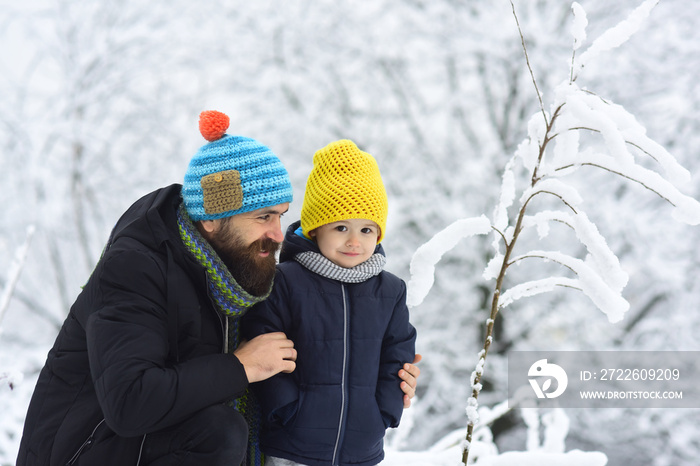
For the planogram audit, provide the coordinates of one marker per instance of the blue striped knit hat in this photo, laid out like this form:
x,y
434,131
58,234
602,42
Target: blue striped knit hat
x,y
231,174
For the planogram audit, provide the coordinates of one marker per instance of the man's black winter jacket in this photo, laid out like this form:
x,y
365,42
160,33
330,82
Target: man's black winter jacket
x,y
141,350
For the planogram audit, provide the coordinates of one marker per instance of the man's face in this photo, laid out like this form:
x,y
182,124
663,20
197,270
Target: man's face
x,y
247,244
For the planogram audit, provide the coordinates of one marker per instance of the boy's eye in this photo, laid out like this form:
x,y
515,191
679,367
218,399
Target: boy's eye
x,y
341,228
367,230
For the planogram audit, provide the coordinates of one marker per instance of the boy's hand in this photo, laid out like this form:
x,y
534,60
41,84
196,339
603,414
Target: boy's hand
x,y
409,374
266,355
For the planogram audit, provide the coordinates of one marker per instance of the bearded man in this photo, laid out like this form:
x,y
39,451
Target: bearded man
x,y
148,368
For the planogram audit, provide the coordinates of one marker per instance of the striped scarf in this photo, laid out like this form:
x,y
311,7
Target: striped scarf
x,y
233,302
321,265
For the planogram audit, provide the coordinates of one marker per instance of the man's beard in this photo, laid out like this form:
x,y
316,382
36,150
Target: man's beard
x,y
251,271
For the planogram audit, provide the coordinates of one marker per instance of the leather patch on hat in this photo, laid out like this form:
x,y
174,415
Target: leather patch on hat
x,y
222,191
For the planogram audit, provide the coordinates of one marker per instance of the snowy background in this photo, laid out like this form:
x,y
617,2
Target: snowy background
x,y
99,106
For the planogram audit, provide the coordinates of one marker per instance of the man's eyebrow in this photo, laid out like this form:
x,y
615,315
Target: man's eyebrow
x,y
272,211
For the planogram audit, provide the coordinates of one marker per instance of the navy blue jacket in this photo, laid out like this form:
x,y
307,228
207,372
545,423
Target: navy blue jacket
x,y
352,339
140,351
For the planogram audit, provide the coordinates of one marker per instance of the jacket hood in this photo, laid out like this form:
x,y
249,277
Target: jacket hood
x,y
152,219
295,242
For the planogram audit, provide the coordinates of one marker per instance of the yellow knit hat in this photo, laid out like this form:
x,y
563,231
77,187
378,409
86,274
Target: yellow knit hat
x,y
344,183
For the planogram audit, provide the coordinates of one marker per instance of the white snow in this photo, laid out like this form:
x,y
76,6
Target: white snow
x,y
500,221
10,378
551,451
578,25
493,267
472,411
528,150
14,272
556,187
618,35
589,281
605,262
556,425
571,458
535,287
425,258
686,208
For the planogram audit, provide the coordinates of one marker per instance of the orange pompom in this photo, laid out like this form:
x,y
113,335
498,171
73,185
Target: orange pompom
x,y
213,124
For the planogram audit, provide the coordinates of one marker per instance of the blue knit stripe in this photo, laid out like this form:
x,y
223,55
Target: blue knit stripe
x,y
264,179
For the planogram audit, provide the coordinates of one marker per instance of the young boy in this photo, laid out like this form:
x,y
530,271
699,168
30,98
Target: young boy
x,y
346,316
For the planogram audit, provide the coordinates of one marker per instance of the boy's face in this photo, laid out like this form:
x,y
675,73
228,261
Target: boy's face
x,y
347,243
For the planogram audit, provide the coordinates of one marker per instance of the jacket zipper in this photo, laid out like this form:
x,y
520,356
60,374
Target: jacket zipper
x,y
143,442
343,382
86,444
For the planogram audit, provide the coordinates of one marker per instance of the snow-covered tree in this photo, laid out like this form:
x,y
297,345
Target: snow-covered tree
x,y
586,131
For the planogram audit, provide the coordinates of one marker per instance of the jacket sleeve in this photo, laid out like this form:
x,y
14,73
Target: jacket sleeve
x,y
278,396
127,339
398,348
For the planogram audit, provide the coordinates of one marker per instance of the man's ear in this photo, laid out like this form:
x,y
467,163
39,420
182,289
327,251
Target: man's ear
x,y
210,226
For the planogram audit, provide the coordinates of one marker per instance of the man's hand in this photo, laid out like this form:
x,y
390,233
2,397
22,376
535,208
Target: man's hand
x,y
409,374
266,355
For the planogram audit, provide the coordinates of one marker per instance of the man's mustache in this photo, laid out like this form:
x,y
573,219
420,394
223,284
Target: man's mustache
x,y
265,244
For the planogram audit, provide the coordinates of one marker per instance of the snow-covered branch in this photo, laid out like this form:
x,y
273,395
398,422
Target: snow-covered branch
x,y
615,36
428,255
604,294
14,272
686,208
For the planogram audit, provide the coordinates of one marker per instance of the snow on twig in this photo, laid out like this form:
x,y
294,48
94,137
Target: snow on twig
x,y
593,285
603,259
578,25
535,287
426,256
617,35
14,272
12,378
567,194
686,208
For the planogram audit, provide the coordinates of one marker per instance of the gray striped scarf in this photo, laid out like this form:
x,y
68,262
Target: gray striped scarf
x,y
321,265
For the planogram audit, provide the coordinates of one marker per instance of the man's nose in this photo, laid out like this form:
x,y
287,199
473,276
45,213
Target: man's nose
x,y
275,232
